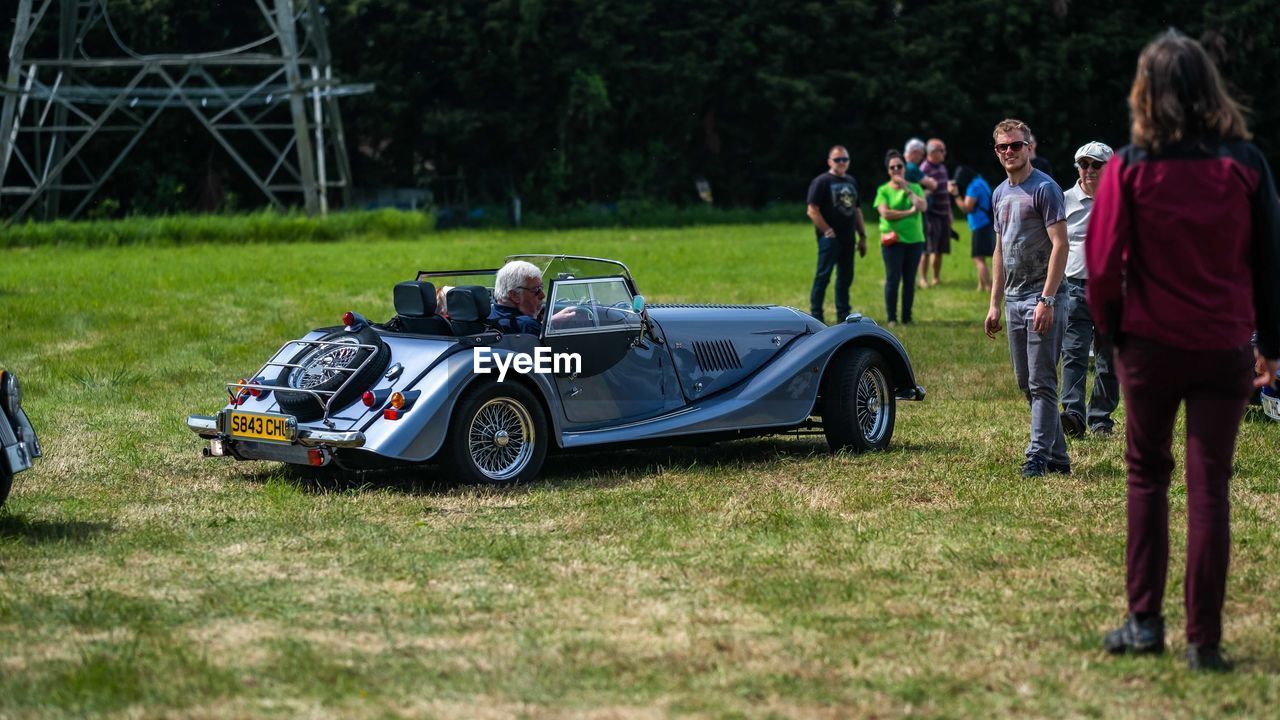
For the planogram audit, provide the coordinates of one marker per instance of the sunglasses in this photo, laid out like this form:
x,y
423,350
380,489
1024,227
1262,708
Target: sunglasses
x,y
897,167
840,160
1015,146
1086,164
535,290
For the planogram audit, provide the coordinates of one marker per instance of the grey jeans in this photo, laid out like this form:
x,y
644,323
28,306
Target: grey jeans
x,y
1035,366
1080,336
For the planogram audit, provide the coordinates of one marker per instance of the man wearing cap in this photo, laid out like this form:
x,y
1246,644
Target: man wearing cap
x,y
1081,333
836,215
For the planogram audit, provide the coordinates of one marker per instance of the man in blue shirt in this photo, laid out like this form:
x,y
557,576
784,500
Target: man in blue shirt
x,y
517,298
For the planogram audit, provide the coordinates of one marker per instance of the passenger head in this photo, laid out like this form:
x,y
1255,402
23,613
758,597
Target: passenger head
x,y
1177,94
442,293
519,285
914,150
964,176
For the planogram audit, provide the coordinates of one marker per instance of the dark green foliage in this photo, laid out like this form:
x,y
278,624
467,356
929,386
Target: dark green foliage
x,y
260,227
585,102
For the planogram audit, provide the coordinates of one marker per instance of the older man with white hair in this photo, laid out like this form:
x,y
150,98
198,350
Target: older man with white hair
x,y
1081,333
517,298
913,153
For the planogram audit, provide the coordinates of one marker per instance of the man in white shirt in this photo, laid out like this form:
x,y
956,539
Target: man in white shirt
x,y
1081,334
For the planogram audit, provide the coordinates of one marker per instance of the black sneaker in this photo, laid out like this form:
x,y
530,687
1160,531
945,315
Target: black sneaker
x,y
1035,466
1136,636
1072,425
1206,658
1060,468
1102,430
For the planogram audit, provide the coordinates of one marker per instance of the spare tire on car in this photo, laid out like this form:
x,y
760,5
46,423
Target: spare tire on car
x,y
323,369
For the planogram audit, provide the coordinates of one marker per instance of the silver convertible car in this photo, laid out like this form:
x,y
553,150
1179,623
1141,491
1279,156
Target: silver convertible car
x,y
437,386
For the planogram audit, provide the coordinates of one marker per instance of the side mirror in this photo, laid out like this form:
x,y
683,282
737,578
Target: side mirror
x,y
637,303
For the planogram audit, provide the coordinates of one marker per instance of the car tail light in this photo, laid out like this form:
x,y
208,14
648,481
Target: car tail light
x,y
368,398
348,318
397,400
391,413
315,457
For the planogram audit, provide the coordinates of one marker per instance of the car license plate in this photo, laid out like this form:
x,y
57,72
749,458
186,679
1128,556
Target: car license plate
x,y
261,426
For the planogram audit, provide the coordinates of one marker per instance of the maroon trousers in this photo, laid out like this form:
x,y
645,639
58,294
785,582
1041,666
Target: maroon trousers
x,y
1215,384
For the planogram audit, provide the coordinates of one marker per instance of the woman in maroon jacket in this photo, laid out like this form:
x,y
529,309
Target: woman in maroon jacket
x,y
1183,250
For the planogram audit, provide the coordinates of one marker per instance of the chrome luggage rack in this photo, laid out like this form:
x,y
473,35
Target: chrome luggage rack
x,y
238,390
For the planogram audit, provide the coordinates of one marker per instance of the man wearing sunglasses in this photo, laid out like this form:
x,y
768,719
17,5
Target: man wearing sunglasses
x,y
834,209
1080,333
1029,261
517,298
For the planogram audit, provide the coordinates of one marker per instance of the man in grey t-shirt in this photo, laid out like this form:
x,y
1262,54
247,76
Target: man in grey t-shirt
x,y
1029,261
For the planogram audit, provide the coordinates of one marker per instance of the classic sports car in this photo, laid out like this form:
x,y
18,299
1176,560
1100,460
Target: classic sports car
x,y
423,387
18,443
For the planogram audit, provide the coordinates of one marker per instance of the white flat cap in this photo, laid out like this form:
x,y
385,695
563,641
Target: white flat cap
x,y
1095,150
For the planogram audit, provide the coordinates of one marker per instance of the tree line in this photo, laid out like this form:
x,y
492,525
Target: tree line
x,y
569,102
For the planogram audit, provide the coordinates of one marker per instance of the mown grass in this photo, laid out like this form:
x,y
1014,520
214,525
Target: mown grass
x,y
762,578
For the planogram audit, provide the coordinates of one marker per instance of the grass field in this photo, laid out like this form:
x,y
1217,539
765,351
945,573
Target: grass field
x,y
761,578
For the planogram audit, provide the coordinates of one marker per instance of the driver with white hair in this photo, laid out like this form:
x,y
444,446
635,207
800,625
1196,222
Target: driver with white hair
x,y
517,298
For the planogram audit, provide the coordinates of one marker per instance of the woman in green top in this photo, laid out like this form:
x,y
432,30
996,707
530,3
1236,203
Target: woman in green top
x,y
900,204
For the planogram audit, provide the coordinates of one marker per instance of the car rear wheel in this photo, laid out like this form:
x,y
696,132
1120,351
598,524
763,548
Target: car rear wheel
x,y
323,369
858,404
499,435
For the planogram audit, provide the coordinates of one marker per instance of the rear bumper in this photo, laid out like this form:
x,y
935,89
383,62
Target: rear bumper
x,y
209,428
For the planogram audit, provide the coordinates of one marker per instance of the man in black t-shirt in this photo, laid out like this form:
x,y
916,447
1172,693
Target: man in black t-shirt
x,y
836,215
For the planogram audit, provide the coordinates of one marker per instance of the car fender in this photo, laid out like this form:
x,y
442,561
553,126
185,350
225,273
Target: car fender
x,y
867,334
420,431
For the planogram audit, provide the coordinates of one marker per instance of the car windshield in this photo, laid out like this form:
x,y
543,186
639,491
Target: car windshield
x,y
571,267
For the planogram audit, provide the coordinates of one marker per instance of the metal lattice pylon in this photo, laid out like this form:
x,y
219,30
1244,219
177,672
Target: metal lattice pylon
x,y
276,115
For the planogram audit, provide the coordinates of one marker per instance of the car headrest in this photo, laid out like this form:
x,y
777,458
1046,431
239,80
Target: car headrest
x,y
469,303
415,298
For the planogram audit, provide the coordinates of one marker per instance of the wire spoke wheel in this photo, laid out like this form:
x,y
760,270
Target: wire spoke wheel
x,y
501,439
336,373
869,404
324,364
858,402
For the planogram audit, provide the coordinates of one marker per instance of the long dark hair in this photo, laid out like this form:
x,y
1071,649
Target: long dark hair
x,y
1178,94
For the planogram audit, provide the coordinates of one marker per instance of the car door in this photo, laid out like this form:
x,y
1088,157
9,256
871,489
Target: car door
x,y
621,375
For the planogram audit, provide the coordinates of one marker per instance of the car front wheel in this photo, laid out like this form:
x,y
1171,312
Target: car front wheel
x,y
499,435
858,404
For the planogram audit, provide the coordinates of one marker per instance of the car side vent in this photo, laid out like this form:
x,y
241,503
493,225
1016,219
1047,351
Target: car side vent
x,y
716,355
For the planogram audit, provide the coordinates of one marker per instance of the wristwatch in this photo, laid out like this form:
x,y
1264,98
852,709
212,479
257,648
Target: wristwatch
x,y
1046,299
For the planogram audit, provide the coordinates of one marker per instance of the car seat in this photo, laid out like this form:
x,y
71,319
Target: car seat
x,y
415,302
469,307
